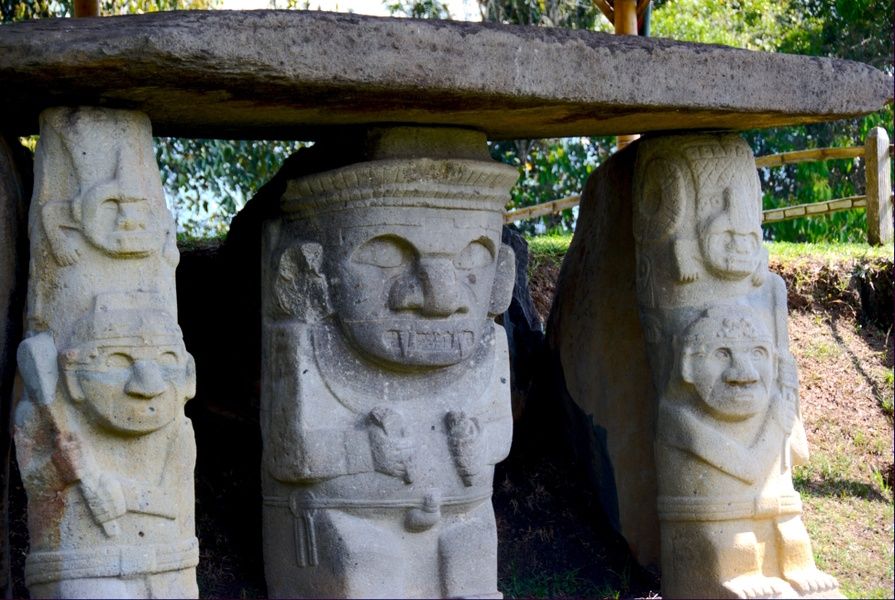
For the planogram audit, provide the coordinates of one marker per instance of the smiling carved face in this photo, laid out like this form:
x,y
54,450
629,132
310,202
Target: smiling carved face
x,y
133,389
417,293
729,361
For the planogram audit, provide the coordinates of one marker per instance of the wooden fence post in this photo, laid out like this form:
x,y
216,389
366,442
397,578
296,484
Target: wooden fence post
x,y
879,187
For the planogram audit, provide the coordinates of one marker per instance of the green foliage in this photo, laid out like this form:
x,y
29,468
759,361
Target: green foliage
x,y
549,170
418,9
21,10
571,14
219,177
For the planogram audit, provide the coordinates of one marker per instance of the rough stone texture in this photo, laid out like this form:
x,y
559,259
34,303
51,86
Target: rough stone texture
x,y
525,332
385,382
15,187
728,428
594,335
105,452
278,74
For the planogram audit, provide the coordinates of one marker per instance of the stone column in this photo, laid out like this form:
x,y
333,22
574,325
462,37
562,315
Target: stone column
x,y
105,450
728,428
385,383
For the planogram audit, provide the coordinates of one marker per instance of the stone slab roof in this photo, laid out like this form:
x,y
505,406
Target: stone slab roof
x,y
291,74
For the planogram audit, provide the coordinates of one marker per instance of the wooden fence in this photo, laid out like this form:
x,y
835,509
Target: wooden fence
x,y
877,199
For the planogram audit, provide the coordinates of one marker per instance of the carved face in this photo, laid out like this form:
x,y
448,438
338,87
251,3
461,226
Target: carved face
x,y
416,293
732,377
730,236
133,389
118,222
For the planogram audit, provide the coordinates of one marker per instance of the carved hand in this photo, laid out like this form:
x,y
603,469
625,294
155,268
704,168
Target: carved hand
x,y
464,439
106,501
69,457
391,447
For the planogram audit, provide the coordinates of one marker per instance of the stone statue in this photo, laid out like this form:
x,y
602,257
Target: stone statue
x,y
731,520
98,200
728,429
385,392
105,450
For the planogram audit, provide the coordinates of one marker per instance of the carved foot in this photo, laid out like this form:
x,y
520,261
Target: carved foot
x,y
814,583
759,586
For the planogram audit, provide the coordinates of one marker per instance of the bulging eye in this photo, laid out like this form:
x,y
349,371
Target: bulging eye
x,y
476,254
385,252
722,354
759,353
168,359
119,360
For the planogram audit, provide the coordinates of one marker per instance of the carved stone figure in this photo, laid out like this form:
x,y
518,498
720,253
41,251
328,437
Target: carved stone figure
x,y
105,450
385,398
98,201
728,427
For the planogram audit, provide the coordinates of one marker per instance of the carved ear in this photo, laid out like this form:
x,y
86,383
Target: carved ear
x,y
75,391
504,281
687,366
38,364
761,271
190,390
300,289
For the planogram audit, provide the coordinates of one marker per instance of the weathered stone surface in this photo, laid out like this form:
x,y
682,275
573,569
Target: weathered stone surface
x,y
276,74
594,334
15,187
104,449
728,428
385,383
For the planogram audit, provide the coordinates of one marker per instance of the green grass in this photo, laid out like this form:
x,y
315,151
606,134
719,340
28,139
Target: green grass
x,y
791,250
564,584
549,245
557,245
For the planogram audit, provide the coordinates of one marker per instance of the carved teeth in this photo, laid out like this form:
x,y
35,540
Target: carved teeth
x,y
428,342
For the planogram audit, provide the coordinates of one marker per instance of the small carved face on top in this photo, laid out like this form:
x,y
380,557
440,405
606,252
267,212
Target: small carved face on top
x,y
728,357
414,287
131,377
730,225
118,218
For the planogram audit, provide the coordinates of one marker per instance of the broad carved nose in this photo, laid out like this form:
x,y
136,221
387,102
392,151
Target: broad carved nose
x,y
128,216
431,289
741,371
146,380
741,243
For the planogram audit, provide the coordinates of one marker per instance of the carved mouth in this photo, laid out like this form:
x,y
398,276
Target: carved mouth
x,y
408,342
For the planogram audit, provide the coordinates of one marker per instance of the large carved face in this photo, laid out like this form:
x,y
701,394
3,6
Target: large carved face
x,y
731,366
412,287
730,234
118,221
132,388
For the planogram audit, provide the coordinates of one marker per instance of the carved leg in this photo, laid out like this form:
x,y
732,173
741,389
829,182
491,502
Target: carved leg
x,y
357,557
173,584
797,561
720,559
93,587
467,553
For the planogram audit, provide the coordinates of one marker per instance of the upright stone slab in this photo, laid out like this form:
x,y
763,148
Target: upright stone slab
x,y
105,450
728,428
385,384
597,343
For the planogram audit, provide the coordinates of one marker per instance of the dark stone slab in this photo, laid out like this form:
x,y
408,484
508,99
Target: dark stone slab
x,y
295,74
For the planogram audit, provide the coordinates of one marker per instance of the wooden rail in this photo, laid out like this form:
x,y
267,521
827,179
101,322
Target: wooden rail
x,y
553,207
878,200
